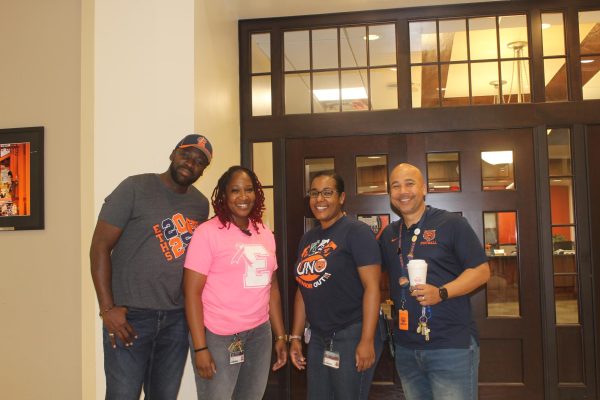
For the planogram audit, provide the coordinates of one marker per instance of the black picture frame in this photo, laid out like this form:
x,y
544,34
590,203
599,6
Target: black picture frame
x,y
22,190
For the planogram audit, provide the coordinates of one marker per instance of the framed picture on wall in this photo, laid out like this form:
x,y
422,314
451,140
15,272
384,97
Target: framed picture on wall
x,y
377,222
22,178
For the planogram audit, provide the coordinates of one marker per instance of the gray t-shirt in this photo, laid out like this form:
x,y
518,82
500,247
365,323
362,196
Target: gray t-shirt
x,y
157,224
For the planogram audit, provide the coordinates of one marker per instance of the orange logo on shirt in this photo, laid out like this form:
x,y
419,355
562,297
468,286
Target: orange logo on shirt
x,y
174,234
312,267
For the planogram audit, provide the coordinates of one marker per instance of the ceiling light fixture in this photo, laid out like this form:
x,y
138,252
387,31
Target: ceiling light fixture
x,y
497,157
546,25
372,36
353,93
587,61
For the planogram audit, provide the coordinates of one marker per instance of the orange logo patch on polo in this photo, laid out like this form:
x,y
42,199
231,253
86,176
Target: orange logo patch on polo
x,y
429,235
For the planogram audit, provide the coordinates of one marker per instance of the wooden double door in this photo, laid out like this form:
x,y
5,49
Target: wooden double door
x,y
509,321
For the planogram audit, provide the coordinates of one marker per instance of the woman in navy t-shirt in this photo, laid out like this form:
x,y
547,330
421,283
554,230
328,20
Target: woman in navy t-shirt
x,y
338,271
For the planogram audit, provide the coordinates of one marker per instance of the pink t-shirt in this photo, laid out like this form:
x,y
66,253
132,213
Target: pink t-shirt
x,y
238,268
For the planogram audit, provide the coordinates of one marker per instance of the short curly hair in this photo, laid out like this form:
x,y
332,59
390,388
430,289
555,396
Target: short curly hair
x,y
219,198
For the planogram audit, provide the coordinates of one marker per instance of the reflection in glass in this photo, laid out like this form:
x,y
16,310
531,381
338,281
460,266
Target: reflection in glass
x,y
561,200
588,31
453,40
269,213
371,174
424,84
382,45
589,36
262,162
501,238
314,165
353,46
423,42
384,88
590,76
326,92
559,151
553,34
443,172
517,88
296,50
484,83
355,89
261,52
566,294
497,170
455,89
555,78
482,38
324,48
563,242
513,29
261,95
297,93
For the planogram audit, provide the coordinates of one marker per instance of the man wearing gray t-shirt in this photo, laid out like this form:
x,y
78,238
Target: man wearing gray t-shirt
x,y
137,256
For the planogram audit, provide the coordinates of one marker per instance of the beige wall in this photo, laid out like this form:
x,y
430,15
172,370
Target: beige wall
x,y
40,298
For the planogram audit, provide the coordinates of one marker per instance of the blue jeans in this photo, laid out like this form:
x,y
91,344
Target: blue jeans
x,y
244,381
155,361
344,383
440,374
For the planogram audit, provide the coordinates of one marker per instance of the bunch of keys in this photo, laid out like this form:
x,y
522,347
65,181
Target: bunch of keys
x,y
422,328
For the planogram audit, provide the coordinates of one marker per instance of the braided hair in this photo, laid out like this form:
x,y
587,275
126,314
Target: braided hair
x,y
219,198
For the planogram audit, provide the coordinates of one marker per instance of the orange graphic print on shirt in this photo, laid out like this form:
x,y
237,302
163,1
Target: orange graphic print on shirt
x,y
312,269
174,234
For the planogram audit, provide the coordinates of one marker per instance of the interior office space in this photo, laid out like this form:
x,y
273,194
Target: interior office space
x,y
116,83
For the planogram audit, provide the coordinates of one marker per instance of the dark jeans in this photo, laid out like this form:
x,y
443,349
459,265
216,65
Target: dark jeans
x,y
344,383
156,360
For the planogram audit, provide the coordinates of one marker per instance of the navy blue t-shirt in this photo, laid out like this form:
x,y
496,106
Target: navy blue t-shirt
x,y
449,246
327,273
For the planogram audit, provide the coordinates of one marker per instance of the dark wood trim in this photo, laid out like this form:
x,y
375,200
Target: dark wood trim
x,y
480,117
546,263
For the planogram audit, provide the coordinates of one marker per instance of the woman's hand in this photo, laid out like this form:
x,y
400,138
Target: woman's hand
x,y
115,321
282,354
365,355
296,355
205,365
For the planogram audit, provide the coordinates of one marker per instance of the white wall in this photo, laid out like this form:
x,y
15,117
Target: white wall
x,y
162,70
40,297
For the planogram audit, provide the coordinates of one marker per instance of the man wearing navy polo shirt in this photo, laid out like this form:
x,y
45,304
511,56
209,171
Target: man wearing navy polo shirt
x,y
436,341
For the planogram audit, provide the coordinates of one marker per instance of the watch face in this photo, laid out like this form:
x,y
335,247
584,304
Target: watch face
x,y
443,293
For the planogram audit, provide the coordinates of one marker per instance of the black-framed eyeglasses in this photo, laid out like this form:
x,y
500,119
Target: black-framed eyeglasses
x,y
189,155
326,193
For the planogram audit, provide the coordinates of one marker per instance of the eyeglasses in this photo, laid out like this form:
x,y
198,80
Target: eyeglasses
x,y
188,155
326,193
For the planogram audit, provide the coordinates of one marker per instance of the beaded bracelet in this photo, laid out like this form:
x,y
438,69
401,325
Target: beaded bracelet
x,y
107,309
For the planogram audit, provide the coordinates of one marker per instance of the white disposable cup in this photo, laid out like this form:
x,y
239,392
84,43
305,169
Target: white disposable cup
x,y
417,272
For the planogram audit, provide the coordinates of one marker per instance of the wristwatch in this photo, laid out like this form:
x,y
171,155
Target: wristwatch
x,y
443,293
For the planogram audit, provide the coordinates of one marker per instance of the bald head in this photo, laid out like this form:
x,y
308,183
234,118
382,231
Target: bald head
x,y
406,170
407,191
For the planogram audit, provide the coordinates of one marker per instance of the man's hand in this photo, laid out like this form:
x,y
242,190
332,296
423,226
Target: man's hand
x,y
115,321
426,295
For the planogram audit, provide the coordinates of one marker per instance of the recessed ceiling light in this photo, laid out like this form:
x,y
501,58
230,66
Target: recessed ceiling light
x,y
546,26
587,61
393,69
371,37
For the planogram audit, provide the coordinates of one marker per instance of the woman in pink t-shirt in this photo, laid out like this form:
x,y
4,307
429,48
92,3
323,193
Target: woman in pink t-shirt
x,y
232,298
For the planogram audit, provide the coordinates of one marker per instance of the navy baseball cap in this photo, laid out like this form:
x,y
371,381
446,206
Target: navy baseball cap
x,y
198,141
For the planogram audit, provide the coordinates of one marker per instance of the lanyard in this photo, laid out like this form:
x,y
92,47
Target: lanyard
x,y
425,311
413,240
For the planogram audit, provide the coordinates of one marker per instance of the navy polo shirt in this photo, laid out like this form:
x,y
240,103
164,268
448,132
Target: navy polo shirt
x,y
449,246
